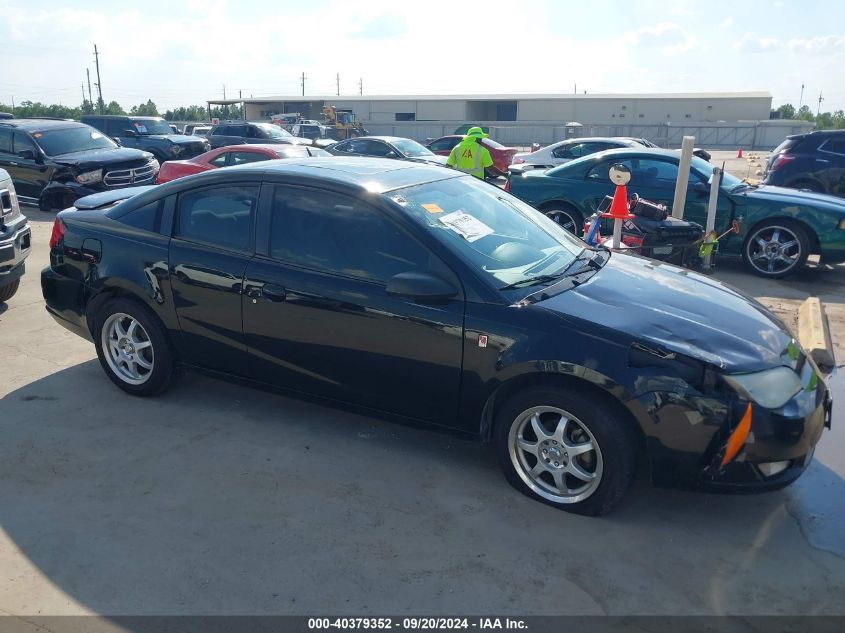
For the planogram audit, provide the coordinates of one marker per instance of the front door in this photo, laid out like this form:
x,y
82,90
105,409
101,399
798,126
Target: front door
x,y
317,317
211,246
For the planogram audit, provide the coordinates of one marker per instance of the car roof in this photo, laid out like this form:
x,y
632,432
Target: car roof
x,y
376,175
123,116
262,147
41,124
388,139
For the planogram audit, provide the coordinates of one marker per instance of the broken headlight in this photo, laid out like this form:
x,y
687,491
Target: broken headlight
x,y
90,177
771,388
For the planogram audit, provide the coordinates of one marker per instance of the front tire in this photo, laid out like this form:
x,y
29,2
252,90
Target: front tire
x,y
8,291
776,248
133,348
566,449
568,217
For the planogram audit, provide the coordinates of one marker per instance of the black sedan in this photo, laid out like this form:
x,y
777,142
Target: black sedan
x,y
423,294
394,147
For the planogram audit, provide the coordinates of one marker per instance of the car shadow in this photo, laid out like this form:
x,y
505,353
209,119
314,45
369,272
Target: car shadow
x,y
219,499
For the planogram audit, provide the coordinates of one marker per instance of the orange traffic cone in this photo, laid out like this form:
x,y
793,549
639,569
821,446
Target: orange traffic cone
x,y
619,206
739,153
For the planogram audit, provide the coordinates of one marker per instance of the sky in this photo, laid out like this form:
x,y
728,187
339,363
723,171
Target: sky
x,y
184,52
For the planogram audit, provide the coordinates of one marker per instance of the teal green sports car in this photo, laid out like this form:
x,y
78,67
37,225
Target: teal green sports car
x,y
779,228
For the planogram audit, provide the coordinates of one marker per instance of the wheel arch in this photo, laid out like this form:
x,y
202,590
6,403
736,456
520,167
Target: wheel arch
x,y
595,385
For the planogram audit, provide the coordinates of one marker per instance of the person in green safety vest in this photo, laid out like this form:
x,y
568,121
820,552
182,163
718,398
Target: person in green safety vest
x,y
470,156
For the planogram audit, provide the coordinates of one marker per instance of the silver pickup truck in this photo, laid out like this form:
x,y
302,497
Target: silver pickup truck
x,y
14,239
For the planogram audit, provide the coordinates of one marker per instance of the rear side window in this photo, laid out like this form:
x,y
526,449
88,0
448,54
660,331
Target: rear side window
x,y
5,140
219,216
146,218
239,158
116,127
834,146
787,144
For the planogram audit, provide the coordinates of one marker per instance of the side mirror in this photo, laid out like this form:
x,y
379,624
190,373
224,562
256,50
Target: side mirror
x,y
391,154
26,154
420,286
700,189
131,133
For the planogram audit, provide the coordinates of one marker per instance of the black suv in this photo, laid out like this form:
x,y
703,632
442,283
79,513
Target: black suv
x,y
814,161
152,134
242,132
52,162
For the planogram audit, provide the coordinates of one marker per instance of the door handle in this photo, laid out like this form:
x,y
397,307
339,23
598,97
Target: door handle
x,y
274,292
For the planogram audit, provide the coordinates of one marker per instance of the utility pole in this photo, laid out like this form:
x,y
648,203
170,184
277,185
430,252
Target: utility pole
x,y
99,84
361,86
302,81
224,91
821,98
338,84
13,104
90,98
82,85
243,109
801,100
575,90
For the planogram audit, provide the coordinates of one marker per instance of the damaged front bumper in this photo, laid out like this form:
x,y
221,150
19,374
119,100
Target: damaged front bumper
x,y
688,437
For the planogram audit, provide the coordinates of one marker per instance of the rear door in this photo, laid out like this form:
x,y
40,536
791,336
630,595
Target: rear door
x,y
317,317
211,246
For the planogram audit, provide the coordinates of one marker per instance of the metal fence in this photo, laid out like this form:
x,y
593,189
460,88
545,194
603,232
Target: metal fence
x,y
749,135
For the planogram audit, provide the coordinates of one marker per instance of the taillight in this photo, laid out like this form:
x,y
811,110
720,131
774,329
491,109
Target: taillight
x,y
508,184
58,232
780,161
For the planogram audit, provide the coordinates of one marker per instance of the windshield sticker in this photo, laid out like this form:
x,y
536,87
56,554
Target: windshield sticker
x,y
141,128
464,224
400,200
37,135
432,208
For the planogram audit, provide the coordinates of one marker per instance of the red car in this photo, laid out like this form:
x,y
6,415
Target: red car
x,y
501,155
233,155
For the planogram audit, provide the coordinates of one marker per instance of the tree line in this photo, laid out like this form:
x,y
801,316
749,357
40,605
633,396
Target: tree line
x,y
824,120
190,113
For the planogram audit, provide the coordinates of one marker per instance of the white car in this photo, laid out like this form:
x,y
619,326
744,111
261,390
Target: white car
x,y
201,130
565,151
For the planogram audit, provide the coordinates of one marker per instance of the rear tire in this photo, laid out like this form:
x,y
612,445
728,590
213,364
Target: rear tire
x,y
565,448
133,348
8,291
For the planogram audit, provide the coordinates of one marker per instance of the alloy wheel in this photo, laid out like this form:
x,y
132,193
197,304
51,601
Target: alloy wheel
x,y
128,348
564,218
555,454
773,250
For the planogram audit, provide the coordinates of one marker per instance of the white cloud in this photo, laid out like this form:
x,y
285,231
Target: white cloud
x,y
726,23
681,11
668,36
821,45
753,43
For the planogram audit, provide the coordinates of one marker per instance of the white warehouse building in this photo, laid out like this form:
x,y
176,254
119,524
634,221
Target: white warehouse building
x,y
716,119
600,109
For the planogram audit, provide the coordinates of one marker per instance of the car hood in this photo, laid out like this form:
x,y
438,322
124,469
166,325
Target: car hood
x,y
179,139
767,194
295,140
91,159
679,311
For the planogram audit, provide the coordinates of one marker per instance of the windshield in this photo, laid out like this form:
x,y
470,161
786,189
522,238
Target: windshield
x,y
489,229
72,139
411,148
151,126
273,131
729,181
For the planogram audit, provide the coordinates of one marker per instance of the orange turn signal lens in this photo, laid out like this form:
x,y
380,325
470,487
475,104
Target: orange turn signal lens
x,y
738,437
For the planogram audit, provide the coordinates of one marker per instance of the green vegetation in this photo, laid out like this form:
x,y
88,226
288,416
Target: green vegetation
x,y
190,113
824,121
